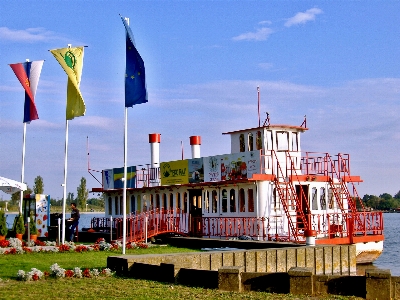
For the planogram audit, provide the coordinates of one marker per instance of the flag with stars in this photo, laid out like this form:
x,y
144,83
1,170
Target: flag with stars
x,y
71,60
135,83
28,74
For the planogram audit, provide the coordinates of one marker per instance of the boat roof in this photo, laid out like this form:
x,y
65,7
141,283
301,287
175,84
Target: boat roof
x,y
272,126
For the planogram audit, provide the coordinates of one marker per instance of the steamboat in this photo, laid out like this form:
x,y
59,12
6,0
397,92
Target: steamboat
x,y
266,189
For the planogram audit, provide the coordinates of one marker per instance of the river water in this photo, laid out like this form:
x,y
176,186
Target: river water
x,y
390,258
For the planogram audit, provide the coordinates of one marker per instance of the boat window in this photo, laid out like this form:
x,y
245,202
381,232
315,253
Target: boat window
x,y
282,140
206,203
224,201
139,204
232,200
185,202
157,201
151,202
133,207
178,201
330,198
110,206
121,207
116,205
314,198
259,140
250,200
214,201
242,201
250,142
294,141
242,143
274,198
269,140
145,204
171,201
164,204
322,198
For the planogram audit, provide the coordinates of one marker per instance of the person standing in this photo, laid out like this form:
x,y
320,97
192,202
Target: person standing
x,y
74,220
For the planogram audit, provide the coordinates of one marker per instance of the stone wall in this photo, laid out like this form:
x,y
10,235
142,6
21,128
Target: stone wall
x,y
322,260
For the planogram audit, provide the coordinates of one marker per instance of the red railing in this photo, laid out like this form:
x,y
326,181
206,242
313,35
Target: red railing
x,y
152,223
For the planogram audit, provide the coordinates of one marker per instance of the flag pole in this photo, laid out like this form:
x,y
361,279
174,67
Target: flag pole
x,y
125,181
65,182
258,100
23,167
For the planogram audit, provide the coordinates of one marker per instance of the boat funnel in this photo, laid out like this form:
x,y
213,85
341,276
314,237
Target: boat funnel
x,y
154,140
195,142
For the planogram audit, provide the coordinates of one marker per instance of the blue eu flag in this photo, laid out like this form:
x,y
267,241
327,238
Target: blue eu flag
x,y
135,83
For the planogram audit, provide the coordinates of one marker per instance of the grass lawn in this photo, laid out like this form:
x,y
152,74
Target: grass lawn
x,y
104,287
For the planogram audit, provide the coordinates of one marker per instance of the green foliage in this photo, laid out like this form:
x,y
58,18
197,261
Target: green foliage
x,y
3,224
32,225
19,226
385,201
15,198
38,187
83,194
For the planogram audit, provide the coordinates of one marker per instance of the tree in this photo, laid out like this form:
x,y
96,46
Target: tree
x,y
38,187
397,195
70,199
83,194
17,196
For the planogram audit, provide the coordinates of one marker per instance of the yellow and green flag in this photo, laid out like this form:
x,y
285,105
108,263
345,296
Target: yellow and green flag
x,y
71,60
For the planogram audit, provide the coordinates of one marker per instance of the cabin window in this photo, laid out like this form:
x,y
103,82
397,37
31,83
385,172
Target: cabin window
x,y
109,205
274,198
232,200
250,142
164,201
250,197
314,198
171,201
294,141
116,205
242,201
224,201
282,140
151,202
322,198
214,201
242,143
206,204
330,198
145,204
185,202
133,207
157,201
139,203
269,140
178,201
121,205
259,140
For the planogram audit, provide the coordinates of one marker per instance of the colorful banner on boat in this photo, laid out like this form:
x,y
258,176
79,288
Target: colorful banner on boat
x,y
112,178
174,172
233,166
196,170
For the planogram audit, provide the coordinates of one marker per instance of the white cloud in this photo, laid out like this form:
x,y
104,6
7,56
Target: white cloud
x,y
26,35
260,35
303,17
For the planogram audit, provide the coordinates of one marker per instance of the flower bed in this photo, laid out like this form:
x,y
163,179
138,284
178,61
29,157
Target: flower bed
x,y
57,272
15,246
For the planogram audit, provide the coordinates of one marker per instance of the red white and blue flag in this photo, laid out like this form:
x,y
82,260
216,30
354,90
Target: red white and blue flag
x,y
28,74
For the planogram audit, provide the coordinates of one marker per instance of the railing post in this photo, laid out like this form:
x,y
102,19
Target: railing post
x,y
111,228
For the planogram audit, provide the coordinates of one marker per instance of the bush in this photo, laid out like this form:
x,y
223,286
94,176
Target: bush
x,y
19,225
3,224
32,225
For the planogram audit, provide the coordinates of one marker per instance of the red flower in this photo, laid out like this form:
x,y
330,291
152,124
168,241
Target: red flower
x,y
99,240
63,248
69,273
4,243
81,248
86,273
46,273
35,277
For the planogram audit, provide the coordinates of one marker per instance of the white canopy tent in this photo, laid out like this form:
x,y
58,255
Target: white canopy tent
x,y
10,186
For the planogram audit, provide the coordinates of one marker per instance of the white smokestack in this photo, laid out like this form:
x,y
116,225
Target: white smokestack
x,y
154,140
195,142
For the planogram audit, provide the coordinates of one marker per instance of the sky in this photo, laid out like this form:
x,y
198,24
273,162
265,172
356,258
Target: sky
x,y
337,62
